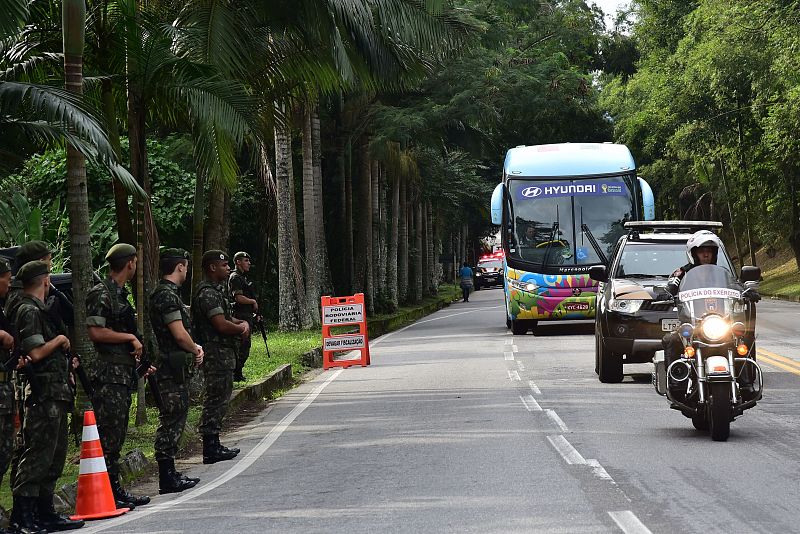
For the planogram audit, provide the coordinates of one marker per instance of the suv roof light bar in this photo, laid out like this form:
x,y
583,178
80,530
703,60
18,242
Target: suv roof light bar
x,y
671,226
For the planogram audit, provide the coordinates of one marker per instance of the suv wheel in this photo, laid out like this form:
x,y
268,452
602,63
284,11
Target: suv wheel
x,y
609,364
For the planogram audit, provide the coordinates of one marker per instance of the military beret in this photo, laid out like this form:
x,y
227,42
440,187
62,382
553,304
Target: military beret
x,y
32,250
213,255
174,253
239,255
31,270
4,266
119,251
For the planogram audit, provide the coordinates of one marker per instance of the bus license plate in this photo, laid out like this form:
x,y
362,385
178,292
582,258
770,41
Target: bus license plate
x,y
669,325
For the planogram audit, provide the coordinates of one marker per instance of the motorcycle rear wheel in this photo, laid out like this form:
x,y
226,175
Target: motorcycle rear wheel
x,y
720,411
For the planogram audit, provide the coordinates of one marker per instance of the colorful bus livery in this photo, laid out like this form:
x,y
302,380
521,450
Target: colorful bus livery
x,y
561,209
533,296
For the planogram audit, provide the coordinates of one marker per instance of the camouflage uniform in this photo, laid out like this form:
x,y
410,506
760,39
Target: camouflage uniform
x,y
45,426
7,405
114,372
220,354
174,368
13,300
239,284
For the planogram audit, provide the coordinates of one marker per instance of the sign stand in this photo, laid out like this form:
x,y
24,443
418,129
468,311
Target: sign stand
x,y
344,311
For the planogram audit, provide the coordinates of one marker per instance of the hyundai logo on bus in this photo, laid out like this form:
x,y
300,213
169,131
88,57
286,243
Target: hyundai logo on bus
x,y
343,314
564,189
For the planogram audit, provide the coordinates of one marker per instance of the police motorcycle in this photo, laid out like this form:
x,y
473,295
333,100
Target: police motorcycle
x,y
716,378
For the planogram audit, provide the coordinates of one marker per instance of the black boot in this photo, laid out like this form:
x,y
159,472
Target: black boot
x,y
22,519
213,451
49,519
123,497
234,450
184,477
168,480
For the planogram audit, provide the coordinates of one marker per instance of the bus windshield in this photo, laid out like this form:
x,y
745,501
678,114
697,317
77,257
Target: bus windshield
x,y
554,221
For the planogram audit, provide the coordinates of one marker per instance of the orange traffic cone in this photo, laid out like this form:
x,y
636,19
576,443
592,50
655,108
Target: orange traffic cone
x,y
95,499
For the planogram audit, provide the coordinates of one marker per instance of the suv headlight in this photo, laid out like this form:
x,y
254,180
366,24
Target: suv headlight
x,y
715,328
522,286
625,305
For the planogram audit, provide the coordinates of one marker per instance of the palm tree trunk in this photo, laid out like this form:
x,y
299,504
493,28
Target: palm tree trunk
x,y
309,224
402,243
376,230
325,283
425,253
349,263
391,260
216,219
74,23
433,272
418,260
382,238
291,304
198,216
364,278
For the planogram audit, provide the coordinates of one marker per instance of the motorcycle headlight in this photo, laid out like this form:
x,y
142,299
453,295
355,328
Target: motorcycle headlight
x,y
523,286
625,305
715,328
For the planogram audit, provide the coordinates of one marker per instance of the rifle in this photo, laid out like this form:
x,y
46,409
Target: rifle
x,y
258,320
80,372
141,370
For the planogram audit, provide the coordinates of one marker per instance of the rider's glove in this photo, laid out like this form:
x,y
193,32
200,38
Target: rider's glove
x,y
672,285
751,294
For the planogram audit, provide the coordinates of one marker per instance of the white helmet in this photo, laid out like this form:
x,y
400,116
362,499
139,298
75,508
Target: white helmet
x,y
702,238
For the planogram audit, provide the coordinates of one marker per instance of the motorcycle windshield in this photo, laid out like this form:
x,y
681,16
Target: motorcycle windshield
x,y
708,289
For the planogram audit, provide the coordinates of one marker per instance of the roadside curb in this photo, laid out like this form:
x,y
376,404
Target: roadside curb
x,y
787,298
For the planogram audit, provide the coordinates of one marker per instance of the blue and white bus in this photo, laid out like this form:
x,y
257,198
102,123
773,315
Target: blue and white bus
x,y
561,209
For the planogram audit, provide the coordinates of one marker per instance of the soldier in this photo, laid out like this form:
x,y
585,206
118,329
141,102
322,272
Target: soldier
x,y
245,305
178,354
7,405
217,331
112,329
45,429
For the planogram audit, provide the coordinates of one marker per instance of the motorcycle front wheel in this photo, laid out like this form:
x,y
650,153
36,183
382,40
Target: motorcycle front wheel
x,y
720,411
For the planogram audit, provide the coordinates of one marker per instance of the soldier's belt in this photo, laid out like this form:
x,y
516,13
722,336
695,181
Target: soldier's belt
x,y
118,358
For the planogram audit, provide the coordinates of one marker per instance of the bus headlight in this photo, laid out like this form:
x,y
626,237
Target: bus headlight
x,y
715,328
625,305
520,285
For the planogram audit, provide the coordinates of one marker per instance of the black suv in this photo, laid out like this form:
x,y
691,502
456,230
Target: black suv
x,y
489,272
629,322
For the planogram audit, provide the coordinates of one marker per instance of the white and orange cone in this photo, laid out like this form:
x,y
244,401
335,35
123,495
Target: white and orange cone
x,y
95,499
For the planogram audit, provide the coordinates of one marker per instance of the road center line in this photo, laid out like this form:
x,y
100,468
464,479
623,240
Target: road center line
x,y
534,387
513,375
508,355
247,460
566,450
520,366
530,403
600,471
629,523
514,348
557,420
509,341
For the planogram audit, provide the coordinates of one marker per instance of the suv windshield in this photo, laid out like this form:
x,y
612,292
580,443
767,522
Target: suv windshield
x,y
493,264
656,259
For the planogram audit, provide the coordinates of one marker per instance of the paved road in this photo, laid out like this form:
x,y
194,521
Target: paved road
x,y
457,426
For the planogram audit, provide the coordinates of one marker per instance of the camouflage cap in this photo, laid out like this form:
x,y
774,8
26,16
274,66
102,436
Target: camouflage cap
x,y
213,255
241,254
120,251
4,266
32,250
174,253
31,270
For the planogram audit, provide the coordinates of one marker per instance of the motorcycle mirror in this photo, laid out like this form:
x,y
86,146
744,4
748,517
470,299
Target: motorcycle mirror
x,y
750,274
598,273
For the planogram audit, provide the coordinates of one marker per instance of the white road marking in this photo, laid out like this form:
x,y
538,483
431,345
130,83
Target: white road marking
x,y
513,375
514,348
557,420
509,341
629,523
530,403
534,387
566,450
247,460
600,471
520,366
508,355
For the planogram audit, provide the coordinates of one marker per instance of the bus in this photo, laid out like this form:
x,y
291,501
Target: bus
x,y
561,209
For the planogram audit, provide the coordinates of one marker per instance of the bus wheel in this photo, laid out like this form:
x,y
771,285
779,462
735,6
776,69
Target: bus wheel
x,y
609,364
519,327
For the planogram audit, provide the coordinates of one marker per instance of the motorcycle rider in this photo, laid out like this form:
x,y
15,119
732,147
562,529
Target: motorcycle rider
x,y
702,248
